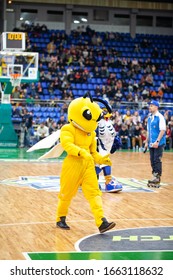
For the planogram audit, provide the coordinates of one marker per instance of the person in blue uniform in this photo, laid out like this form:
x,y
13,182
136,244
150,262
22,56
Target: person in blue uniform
x,y
156,140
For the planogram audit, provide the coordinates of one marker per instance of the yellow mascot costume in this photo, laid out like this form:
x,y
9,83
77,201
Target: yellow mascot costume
x,y
78,139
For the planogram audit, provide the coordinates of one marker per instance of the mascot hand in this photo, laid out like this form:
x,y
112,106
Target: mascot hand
x,y
105,160
117,144
84,154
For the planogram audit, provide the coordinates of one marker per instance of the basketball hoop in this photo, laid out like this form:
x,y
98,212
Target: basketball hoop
x,y
15,79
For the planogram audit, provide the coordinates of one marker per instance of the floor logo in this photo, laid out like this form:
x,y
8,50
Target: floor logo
x,y
136,239
151,243
52,183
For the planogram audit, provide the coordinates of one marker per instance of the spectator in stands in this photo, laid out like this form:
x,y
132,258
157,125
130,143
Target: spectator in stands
x,y
32,89
168,138
28,45
136,118
145,93
145,43
124,135
127,116
26,128
16,110
16,92
167,116
42,131
130,97
143,135
53,37
149,80
170,123
155,53
89,31
44,28
118,96
136,48
38,88
137,139
61,121
22,135
130,127
53,127
117,117
51,47
48,76
30,129
164,53
163,86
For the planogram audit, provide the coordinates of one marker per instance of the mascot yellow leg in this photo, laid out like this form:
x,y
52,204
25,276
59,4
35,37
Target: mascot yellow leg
x,y
62,210
97,209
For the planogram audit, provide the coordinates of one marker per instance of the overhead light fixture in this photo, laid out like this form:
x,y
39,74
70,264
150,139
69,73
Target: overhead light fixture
x,y
76,21
84,19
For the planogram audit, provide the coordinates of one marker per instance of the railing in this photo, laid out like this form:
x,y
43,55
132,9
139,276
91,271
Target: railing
x,y
38,102
140,105
50,102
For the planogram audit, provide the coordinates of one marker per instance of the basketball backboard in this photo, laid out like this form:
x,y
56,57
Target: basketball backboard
x,y
20,63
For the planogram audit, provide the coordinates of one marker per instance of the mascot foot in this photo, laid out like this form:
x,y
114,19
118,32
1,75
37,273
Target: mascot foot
x,y
106,225
62,224
113,186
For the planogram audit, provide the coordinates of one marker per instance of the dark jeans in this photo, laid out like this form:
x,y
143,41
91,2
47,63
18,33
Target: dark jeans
x,y
155,159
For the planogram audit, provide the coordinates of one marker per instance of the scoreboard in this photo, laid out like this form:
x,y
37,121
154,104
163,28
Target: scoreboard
x,y
13,41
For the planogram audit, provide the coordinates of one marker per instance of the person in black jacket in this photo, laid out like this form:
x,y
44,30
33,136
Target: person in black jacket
x,y
136,138
124,135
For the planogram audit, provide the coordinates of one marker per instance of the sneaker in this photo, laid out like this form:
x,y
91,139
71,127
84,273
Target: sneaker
x,y
62,223
106,225
113,186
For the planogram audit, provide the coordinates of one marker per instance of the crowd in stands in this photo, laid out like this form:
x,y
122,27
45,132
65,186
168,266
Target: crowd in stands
x,y
109,65
129,125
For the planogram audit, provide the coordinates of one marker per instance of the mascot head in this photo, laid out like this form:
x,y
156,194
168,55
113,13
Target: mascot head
x,y
107,111
84,113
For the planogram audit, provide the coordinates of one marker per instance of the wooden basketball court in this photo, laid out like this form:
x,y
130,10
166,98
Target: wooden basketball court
x,y
27,215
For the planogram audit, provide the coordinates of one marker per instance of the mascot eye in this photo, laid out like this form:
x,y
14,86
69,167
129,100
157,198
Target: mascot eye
x,y
99,118
87,115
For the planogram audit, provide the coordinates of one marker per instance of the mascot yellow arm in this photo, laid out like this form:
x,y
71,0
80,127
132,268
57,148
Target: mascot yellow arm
x,y
67,140
98,158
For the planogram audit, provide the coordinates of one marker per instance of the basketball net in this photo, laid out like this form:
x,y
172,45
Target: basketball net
x,y
15,79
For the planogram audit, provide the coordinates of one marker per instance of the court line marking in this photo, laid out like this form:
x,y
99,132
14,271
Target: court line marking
x,y
118,219
121,162
26,254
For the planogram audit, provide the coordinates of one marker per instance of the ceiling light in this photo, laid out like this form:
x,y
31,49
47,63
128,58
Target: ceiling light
x,y
84,19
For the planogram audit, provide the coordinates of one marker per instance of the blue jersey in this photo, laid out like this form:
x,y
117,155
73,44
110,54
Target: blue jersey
x,y
155,124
